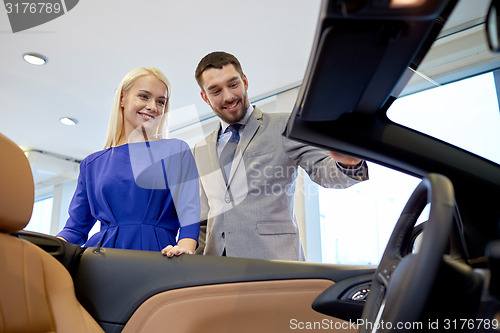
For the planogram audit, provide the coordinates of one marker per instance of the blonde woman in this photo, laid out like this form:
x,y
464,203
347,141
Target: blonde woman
x,y
142,188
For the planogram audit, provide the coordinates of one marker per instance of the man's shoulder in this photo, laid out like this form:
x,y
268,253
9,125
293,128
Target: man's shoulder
x,y
276,115
277,119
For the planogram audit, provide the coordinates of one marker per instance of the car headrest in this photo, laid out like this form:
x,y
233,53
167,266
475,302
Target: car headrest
x,y
17,191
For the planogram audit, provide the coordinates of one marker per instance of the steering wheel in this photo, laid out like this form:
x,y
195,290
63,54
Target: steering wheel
x,y
402,284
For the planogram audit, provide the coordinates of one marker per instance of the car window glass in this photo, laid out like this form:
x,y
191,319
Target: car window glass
x,y
463,113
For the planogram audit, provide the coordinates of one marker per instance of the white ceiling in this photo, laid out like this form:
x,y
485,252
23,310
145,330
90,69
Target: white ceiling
x,y
92,46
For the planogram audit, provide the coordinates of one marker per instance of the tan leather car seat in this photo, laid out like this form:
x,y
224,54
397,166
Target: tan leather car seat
x,y
36,291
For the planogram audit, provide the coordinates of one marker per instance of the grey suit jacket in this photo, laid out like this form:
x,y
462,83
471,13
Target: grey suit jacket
x,y
252,216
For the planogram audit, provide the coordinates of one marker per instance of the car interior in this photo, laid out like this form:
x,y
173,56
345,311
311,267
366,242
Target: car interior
x,y
443,274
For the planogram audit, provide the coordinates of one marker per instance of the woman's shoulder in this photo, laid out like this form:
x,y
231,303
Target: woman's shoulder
x,y
95,156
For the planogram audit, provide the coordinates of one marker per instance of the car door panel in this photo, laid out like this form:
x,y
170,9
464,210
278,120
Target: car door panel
x,y
260,306
114,285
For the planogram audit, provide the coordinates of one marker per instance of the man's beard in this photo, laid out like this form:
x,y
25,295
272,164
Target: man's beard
x,y
237,116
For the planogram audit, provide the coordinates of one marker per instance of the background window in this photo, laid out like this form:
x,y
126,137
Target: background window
x,y
42,216
356,222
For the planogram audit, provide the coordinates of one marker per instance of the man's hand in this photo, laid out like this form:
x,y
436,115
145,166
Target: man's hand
x,y
344,160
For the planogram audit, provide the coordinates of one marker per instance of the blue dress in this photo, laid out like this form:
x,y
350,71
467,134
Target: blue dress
x,y
144,195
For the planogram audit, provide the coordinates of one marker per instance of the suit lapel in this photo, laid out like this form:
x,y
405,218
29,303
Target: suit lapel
x,y
247,135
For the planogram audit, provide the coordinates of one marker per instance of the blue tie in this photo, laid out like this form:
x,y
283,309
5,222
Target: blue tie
x,y
227,154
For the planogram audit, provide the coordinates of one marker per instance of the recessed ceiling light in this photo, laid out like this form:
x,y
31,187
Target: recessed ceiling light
x,y
35,59
68,121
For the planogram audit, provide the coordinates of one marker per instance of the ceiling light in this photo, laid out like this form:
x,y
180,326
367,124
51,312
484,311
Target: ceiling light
x,y
68,121
407,3
35,59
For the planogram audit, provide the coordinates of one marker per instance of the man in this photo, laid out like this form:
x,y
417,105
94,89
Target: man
x,y
248,168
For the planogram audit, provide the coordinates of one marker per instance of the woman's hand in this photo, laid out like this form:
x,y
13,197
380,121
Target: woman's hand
x,y
176,250
185,245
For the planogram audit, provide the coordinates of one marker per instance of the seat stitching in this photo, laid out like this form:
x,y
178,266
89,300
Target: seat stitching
x,y
25,280
2,314
53,325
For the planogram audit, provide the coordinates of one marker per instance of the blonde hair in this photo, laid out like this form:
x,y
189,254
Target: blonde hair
x,y
115,128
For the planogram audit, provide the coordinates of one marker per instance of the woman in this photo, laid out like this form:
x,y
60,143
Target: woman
x,y
143,189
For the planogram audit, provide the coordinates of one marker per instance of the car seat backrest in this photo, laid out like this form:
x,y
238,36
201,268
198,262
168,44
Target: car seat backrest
x,y
36,291
17,191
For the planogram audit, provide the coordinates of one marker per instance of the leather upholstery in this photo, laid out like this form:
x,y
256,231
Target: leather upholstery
x,y
17,189
36,291
261,306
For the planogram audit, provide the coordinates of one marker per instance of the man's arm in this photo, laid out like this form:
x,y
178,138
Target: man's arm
x,y
202,238
203,220
328,169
